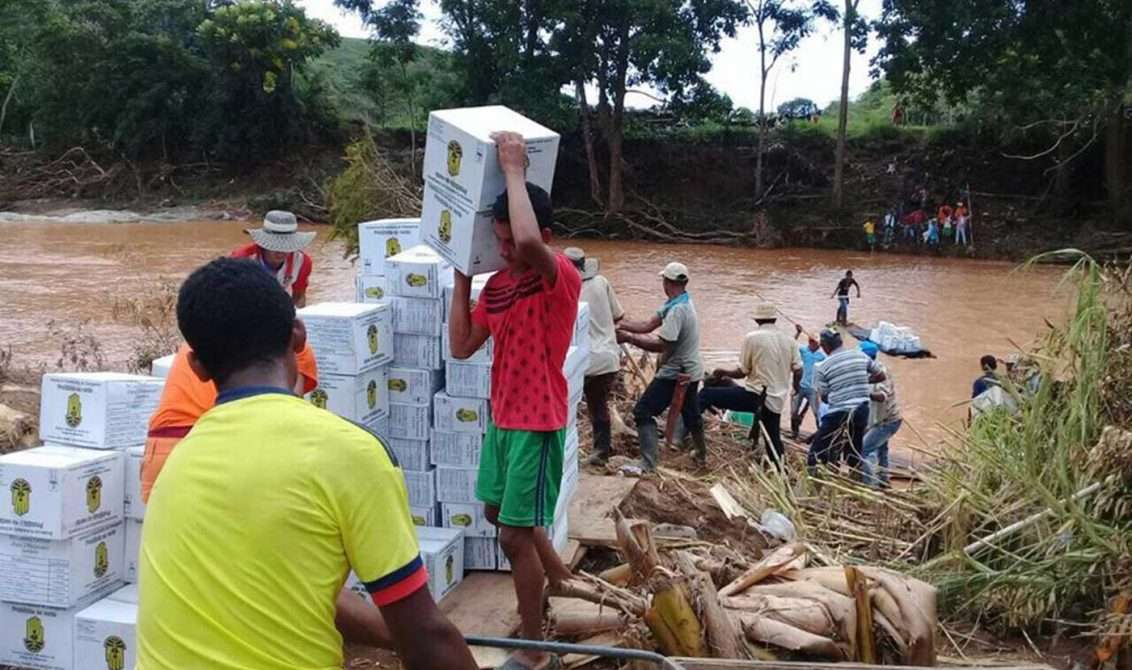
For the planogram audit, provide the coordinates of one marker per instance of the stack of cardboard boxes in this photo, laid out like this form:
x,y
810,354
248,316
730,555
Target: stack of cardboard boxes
x,y
64,531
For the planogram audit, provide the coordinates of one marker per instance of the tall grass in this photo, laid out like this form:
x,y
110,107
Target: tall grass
x,y
1030,466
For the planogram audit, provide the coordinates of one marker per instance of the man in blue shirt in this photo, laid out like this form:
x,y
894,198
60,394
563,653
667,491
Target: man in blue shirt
x,y
989,364
805,399
843,381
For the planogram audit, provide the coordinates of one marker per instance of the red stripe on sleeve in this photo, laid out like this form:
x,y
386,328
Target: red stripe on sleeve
x,y
402,589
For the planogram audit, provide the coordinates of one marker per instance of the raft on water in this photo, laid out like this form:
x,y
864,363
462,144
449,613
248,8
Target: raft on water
x,y
891,339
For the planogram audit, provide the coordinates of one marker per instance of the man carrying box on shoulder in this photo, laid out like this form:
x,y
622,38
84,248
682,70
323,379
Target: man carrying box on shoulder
x,y
268,504
529,311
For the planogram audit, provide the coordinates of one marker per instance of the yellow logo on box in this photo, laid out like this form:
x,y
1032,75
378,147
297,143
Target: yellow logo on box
x,y
93,494
392,247
416,280
465,415
21,497
115,653
462,520
101,559
319,398
375,292
449,569
398,385
74,410
371,335
34,640
445,226
455,155
371,394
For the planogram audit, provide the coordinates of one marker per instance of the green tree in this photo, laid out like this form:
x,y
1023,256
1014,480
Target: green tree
x,y
258,49
798,108
780,26
1064,68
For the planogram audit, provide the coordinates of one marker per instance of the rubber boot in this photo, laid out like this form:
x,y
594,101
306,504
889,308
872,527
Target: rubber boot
x,y
603,443
795,425
646,432
700,445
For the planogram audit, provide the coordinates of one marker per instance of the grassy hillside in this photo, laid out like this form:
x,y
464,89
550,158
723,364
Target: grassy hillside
x,y
367,86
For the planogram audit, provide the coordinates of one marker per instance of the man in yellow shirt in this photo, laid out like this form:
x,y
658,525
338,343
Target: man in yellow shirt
x,y
264,508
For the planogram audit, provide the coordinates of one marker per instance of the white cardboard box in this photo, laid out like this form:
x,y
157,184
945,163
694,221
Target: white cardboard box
x,y
134,506
570,446
456,485
126,594
414,386
160,367
582,327
378,240
421,487
459,415
478,284
424,516
362,398
61,573
105,636
409,422
57,492
131,551
501,562
97,410
418,316
412,454
483,355
417,351
456,450
576,363
371,288
442,550
462,177
468,516
418,272
348,337
32,636
470,380
464,237
480,553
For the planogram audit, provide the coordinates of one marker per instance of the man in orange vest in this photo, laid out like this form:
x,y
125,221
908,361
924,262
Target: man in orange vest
x,y
278,247
184,400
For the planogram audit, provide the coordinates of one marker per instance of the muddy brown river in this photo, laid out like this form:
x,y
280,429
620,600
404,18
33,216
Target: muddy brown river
x,y
960,308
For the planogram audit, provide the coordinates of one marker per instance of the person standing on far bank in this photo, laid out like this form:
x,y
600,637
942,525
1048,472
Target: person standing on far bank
x,y
678,343
842,295
605,354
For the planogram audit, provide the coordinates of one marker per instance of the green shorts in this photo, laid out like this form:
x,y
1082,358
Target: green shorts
x,y
520,473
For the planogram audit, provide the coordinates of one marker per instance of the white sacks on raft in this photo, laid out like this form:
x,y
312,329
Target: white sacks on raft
x,y
895,339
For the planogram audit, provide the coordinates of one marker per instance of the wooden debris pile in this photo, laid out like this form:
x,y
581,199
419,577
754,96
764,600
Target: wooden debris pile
x,y
699,600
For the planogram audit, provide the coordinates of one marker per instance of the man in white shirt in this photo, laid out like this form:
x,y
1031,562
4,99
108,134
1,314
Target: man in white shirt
x,y
605,353
770,366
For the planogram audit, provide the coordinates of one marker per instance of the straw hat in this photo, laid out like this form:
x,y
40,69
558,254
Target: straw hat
x,y
280,232
586,265
765,311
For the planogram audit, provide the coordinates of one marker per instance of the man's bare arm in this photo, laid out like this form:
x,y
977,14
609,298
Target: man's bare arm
x,y
359,621
643,326
424,637
464,337
525,230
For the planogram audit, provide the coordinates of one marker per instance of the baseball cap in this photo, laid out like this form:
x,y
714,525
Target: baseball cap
x,y
675,272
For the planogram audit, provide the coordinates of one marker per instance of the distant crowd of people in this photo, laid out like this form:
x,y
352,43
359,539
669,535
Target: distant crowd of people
x,y
918,227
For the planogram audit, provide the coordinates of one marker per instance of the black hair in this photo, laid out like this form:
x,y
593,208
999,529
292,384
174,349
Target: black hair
x,y
233,314
848,273
540,202
762,322
988,362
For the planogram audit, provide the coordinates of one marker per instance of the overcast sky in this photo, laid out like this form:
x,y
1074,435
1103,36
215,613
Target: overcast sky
x,y
812,71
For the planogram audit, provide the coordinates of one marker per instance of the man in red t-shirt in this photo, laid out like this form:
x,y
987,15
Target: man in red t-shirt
x,y
278,246
529,311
